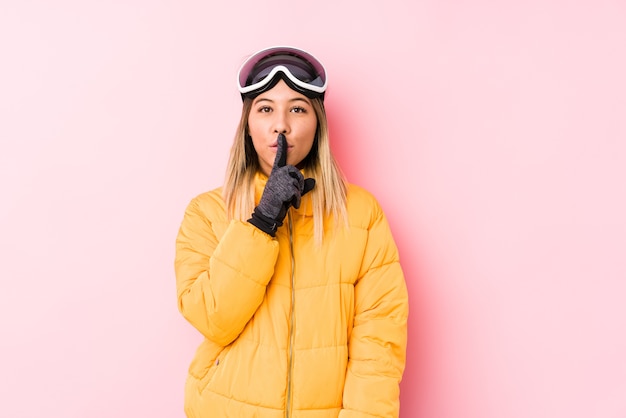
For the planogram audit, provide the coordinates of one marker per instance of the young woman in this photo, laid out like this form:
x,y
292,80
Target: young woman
x,y
290,273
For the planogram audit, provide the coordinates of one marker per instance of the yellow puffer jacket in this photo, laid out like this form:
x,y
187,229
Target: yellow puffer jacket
x,y
292,329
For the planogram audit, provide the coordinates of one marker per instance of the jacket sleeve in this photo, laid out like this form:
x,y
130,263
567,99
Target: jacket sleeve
x,y
221,282
377,344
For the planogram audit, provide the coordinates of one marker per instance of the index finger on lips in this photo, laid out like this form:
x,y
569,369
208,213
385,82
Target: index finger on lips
x,y
281,152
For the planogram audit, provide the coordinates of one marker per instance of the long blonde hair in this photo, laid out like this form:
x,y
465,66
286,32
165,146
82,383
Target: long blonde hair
x,y
328,196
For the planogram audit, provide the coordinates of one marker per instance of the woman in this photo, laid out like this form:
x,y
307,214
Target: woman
x,y
290,273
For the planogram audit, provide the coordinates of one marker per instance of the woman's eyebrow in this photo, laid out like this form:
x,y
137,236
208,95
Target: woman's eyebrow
x,y
294,99
263,99
300,99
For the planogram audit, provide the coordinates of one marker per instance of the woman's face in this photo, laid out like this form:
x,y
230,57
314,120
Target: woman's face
x,y
282,110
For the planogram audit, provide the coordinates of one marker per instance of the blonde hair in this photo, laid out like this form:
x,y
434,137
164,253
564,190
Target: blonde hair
x,y
328,196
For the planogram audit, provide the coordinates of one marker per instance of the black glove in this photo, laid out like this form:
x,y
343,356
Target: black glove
x,y
284,188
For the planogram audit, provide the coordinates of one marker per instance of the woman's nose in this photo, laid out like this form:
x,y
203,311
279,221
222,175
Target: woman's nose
x,y
281,123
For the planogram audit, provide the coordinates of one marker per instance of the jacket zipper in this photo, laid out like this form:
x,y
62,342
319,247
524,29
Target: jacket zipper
x,y
292,320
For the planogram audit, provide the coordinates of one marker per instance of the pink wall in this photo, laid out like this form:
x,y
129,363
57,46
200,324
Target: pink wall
x,y
493,135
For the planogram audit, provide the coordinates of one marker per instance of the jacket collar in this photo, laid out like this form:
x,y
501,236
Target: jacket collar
x,y
306,205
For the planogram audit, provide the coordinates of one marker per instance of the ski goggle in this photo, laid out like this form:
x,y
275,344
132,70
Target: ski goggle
x,y
299,69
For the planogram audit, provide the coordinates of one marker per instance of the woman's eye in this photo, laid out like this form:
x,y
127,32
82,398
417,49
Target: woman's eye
x,y
298,109
264,109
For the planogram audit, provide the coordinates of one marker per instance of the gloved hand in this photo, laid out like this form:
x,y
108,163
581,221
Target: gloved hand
x,y
284,188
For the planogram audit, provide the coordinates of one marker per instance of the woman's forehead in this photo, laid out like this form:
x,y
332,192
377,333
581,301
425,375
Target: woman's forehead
x,y
283,93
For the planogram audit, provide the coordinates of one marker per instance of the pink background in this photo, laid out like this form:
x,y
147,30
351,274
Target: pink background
x,y
493,134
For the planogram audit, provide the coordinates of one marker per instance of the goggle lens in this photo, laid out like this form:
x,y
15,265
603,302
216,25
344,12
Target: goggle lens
x,y
297,67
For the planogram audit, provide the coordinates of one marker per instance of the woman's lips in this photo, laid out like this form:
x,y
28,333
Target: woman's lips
x,y
275,146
